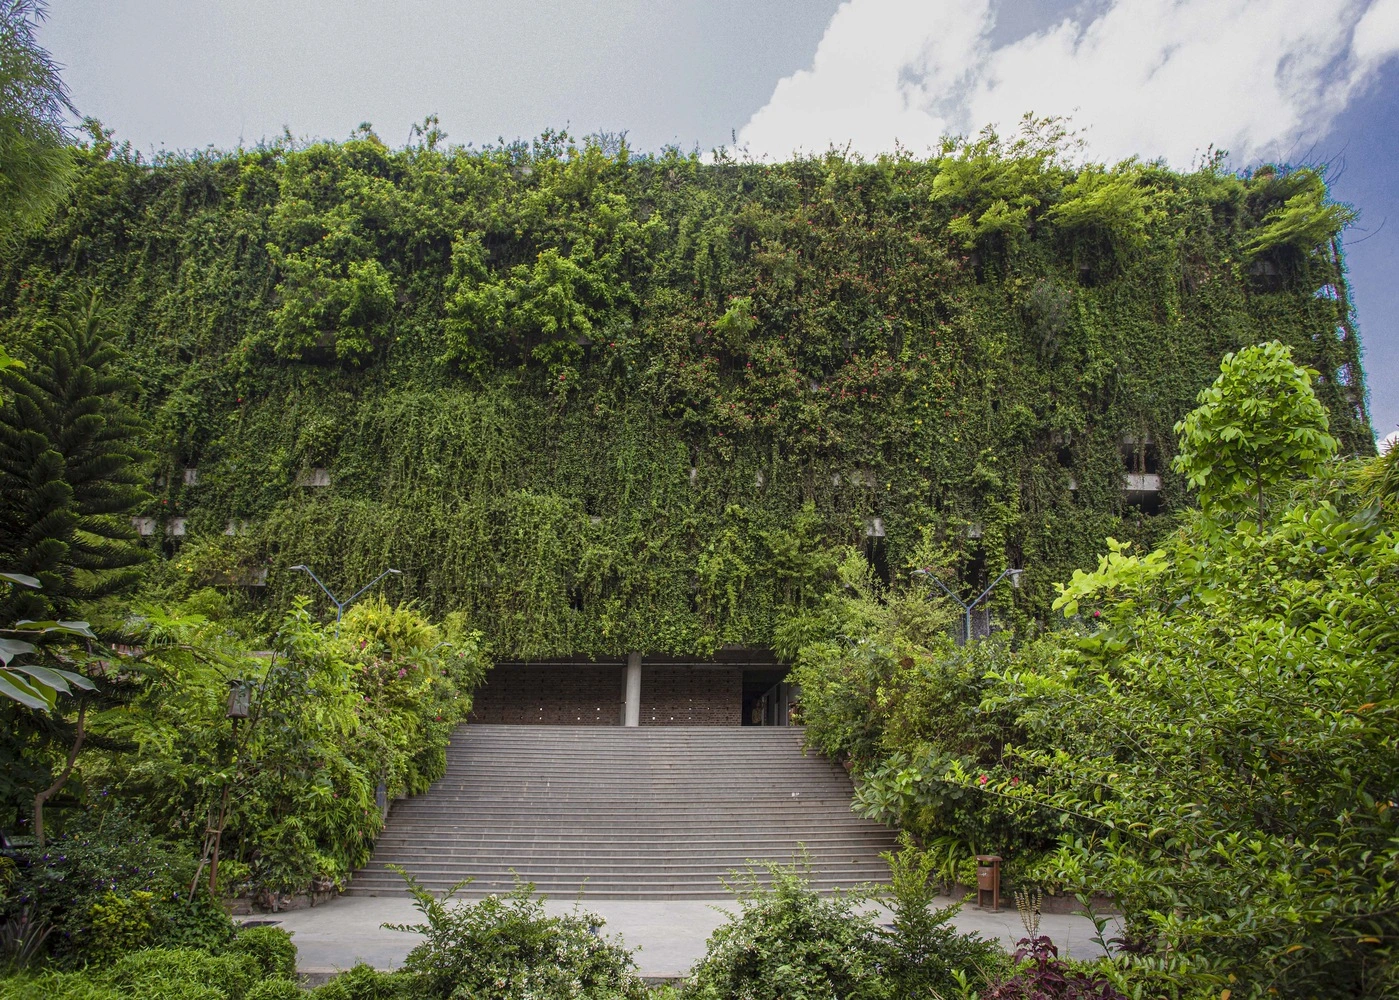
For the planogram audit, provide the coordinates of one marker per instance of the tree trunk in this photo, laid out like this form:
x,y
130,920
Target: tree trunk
x,y
218,841
53,789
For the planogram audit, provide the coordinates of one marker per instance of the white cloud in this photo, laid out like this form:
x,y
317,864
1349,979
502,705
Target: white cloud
x,y
861,87
1141,77
1377,34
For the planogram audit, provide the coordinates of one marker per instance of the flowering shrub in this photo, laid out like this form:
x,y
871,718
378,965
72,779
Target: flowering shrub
x,y
108,885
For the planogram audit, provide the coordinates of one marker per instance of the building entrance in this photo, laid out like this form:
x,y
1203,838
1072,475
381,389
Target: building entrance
x,y
767,698
736,688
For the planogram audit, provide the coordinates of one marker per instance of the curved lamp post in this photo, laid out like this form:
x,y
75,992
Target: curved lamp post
x,y
1014,574
340,606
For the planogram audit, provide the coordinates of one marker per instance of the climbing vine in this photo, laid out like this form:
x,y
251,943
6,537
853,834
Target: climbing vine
x,y
599,401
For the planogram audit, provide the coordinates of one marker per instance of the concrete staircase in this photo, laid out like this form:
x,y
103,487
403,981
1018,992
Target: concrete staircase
x,y
625,813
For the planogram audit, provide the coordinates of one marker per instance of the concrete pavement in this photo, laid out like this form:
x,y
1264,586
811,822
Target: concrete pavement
x,y
669,935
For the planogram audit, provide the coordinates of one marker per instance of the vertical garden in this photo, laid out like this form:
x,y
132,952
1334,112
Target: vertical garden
x,y
599,401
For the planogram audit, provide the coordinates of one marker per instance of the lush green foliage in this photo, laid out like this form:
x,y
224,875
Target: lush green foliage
x,y
501,948
592,402
1226,735
1259,424
291,790
8,362
283,801
35,163
69,471
1211,738
257,964
286,802
108,886
35,673
506,946
272,949
787,940
511,360
885,687
1304,219
924,954
175,973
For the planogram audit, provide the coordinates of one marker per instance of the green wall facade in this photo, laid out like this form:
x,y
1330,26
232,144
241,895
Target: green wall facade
x,y
600,402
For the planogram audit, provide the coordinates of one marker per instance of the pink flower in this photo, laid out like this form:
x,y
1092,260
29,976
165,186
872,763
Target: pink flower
x,y
402,673
982,780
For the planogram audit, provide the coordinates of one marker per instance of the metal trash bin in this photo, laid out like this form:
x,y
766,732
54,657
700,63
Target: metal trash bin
x,y
988,881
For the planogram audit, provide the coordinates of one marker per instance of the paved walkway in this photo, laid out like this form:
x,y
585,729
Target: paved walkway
x,y
670,936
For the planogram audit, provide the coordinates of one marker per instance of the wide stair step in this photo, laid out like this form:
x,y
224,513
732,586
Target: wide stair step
x,y
625,813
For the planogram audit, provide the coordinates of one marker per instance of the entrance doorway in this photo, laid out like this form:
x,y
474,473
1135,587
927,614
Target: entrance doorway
x,y
737,687
768,699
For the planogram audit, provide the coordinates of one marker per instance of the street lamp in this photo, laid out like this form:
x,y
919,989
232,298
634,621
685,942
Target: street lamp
x,y
340,606
967,609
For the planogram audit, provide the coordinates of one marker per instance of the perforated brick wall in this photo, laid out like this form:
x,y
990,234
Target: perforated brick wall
x,y
691,696
567,695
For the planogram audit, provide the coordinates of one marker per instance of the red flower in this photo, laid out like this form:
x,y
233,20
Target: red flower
x,y
982,780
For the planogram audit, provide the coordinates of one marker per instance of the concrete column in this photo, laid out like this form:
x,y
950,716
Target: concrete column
x,y
631,715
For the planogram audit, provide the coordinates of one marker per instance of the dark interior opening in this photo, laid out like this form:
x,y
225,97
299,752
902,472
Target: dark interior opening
x,y
767,698
878,556
1141,455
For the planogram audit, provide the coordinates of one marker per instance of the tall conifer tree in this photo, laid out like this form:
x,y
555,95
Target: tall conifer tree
x,y
70,467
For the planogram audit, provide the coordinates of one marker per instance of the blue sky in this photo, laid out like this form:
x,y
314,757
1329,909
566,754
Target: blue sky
x,y
1301,81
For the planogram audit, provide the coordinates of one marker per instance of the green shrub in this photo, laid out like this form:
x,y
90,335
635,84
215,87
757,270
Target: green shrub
x,y
1216,715
334,715
365,983
119,924
201,922
926,955
276,989
788,941
57,986
884,686
186,973
272,949
95,863
506,947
